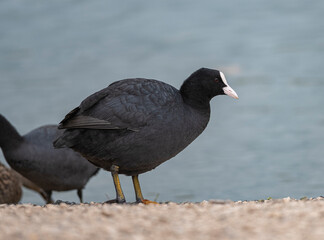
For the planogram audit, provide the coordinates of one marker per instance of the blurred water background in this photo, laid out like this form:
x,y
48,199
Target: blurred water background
x,y
269,143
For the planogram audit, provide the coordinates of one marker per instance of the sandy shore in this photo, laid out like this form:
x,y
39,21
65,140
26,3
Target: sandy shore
x,y
271,219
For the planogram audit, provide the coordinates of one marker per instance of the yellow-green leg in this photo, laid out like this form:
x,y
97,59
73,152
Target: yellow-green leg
x,y
138,192
137,188
120,198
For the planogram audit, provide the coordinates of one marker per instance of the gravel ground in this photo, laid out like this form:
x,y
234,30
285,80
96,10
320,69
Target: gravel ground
x,y
270,219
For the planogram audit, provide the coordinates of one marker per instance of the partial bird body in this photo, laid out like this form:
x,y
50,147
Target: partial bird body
x,y
37,159
10,186
34,157
32,186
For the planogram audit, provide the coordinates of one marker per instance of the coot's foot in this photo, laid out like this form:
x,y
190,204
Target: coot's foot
x,y
115,201
146,202
138,192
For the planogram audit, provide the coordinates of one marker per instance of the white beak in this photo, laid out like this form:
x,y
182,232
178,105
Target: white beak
x,y
230,92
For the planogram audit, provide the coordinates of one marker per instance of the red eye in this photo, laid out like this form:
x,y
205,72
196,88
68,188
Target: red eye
x,y
216,80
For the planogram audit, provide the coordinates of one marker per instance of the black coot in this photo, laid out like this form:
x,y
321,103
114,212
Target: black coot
x,y
34,157
134,125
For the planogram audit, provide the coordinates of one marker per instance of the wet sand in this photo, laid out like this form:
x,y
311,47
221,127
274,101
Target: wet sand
x,y
270,219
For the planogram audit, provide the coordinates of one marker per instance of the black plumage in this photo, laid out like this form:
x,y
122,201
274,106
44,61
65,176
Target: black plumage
x,y
34,157
137,124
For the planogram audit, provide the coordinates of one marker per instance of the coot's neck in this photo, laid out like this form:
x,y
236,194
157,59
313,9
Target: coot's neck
x,y
195,96
9,137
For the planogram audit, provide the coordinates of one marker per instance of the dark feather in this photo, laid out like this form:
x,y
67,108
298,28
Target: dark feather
x,y
128,105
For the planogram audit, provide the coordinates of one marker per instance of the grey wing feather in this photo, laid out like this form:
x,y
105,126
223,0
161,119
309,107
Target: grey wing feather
x,y
82,121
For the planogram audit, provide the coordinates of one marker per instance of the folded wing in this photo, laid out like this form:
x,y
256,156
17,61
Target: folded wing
x,y
126,104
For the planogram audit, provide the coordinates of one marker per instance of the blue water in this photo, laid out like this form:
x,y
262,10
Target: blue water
x,y
269,143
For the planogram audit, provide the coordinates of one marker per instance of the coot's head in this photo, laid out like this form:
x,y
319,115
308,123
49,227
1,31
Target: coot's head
x,y
204,84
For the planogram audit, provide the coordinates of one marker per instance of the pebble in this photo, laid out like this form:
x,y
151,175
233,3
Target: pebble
x,y
278,219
